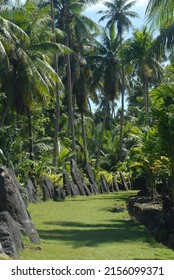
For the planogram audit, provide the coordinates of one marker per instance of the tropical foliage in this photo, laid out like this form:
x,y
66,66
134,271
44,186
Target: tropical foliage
x,y
57,65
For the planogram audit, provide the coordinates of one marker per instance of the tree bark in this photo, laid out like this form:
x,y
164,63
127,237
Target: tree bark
x,y
70,104
84,136
122,104
57,117
122,115
112,119
30,130
56,127
57,109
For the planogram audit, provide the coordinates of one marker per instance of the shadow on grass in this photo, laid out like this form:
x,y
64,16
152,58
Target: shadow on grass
x,y
119,196
91,235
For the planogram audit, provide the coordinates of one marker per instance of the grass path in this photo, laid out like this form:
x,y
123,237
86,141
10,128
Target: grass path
x,y
91,228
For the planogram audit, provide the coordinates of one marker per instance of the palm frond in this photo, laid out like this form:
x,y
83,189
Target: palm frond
x,y
165,40
159,12
162,91
48,72
51,47
15,30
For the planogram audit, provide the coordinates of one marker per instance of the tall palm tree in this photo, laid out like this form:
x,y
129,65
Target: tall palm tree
x,y
105,72
118,12
76,27
81,90
147,67
57,111
31,76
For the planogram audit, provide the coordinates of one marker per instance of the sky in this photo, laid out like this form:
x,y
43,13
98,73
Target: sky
x,y
139,8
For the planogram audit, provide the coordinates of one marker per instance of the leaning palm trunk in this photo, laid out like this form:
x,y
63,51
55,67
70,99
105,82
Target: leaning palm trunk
x,y
102,131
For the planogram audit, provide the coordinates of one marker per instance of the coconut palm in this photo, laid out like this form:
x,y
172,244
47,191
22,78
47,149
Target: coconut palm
x,y
81,90
77,28
118,12
57,111
30,74
105,72
146,66
10,34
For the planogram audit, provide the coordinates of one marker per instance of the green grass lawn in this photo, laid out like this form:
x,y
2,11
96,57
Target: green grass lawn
x,y
91,228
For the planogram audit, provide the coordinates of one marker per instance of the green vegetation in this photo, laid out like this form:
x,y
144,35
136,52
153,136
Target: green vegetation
x,y
95,227
55,64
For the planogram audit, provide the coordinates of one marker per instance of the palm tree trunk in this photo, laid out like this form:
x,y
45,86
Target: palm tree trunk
x,y
73,101
172,182
102,131
5,114
56,126
122,105
84,136
172,170
70,105
57,111
112,117
145,89
30,130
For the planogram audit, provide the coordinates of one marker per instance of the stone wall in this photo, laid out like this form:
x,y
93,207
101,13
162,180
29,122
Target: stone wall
x,y
158,220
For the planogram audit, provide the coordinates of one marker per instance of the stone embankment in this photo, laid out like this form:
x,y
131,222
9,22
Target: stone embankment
x,y
157,218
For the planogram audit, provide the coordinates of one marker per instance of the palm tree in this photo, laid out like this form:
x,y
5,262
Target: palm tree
x,y
163,104
146,66
105,72
30,74
160,14
76,27
118,12
57,111
81,90
10,34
